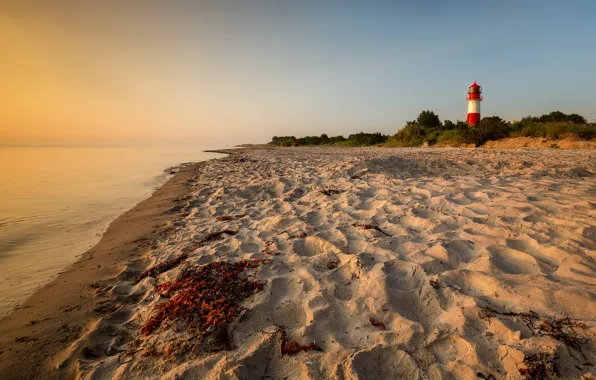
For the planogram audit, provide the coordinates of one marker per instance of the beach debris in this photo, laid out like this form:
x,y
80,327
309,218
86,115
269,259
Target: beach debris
x,y
172,169
331,190
132,325
215,236
268,250
301,235
207,298
332,264
561,329
225,218
490,376
165,266
292,347
539,366
364,226
376,323
434,283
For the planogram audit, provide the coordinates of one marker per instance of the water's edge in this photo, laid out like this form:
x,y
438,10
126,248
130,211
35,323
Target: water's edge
x,y
60,311
94,233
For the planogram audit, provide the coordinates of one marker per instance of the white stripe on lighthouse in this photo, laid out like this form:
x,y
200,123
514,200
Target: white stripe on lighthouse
x,y
473,106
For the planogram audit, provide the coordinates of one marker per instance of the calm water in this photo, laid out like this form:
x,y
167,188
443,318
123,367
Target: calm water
x,y
55,203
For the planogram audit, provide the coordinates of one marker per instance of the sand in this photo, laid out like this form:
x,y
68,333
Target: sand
x,y
463,259
570,142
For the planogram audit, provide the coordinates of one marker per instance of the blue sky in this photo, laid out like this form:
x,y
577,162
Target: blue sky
x,y
244,71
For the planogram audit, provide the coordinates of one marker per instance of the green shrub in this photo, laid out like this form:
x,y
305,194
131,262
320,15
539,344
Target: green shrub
x,y
455,137
553,130
533,130
559,131
449,125
366,139
410,135
489,128
428,119
433,136
358,139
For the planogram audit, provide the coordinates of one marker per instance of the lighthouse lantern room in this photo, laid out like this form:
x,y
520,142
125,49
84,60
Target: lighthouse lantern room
x,y
474,98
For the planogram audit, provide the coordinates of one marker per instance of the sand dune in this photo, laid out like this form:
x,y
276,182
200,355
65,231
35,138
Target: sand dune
x,y
465,257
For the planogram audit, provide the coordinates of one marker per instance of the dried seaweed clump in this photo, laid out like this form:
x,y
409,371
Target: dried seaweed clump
x,y
331,190
225,218
292,347
539,366
207,298
376,323
561,329
370,227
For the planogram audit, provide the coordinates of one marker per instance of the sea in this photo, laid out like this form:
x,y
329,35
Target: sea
x,y
57,201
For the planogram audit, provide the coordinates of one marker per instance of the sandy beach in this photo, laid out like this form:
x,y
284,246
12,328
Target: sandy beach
x,y
333,263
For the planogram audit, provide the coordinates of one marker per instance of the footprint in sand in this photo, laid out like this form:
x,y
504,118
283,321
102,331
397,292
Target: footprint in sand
x,y
383,362
315,218
460,251
290,315
546,257
406,294
346,282
453,348
312,246
513,262
402,275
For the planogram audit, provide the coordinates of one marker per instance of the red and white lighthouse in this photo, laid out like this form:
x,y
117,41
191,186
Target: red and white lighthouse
x,y
474,98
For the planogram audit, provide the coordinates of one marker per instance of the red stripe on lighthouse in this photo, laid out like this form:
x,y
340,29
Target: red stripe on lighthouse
x,y
473,118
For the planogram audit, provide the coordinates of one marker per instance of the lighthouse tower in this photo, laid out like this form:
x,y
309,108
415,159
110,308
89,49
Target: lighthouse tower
x,y
474,98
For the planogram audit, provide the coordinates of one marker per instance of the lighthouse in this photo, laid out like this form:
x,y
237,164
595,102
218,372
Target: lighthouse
x,y
474,98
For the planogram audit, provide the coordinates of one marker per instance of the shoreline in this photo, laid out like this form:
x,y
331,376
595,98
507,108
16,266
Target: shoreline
x,y
42,329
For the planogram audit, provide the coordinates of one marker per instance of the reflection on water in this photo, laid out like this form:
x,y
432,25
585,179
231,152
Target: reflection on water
x,y
55,202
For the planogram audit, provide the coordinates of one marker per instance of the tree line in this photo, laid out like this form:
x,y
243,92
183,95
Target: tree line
x,y
358,139
428,128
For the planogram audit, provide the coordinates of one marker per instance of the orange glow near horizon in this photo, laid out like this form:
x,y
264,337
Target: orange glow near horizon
x,y
109,82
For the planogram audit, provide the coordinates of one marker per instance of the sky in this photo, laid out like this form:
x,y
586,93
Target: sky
x,y
229,72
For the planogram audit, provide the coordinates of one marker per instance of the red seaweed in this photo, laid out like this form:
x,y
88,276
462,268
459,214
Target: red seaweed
x,y
376,323
292,347
205,297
